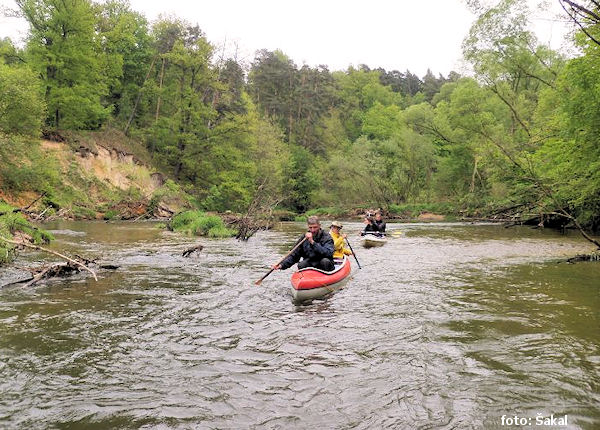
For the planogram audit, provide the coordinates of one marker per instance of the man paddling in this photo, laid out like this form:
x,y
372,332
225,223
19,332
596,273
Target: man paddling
x,y
316,250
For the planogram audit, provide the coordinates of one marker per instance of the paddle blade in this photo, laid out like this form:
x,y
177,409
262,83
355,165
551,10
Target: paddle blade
x,y
261,279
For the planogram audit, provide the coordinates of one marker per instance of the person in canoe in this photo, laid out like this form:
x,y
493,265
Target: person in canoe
x,y
370,226
339,240
316,249
379,222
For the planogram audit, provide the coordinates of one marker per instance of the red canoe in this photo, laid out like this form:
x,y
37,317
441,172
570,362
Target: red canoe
x,y
311,283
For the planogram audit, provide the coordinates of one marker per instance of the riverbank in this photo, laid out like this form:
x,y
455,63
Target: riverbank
x,y
105,175
91,175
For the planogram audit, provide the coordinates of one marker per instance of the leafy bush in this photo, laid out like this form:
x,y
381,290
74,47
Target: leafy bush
x,y
14,222
110,214
200,224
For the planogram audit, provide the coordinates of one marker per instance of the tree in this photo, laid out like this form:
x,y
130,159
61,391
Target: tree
x,y
301,179
21,103
63,49
271,82
569,159
381,122
127,52
298,99
359,90
432,85
8,52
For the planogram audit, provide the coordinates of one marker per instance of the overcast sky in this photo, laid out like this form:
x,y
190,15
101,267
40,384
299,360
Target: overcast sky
x,y
393,34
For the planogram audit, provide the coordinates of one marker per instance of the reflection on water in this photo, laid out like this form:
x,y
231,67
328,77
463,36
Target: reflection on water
x,y
446,326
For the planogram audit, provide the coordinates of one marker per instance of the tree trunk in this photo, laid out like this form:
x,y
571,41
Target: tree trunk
x,y
472,186
160,84
139,96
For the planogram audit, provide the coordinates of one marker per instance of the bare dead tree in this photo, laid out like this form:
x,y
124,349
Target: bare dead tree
x,y
584,17
259,214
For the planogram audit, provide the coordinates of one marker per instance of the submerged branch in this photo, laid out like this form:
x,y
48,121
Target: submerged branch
x,y
70,260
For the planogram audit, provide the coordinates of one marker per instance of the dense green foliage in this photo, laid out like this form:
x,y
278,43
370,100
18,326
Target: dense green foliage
x,y
14,223
520,133
200,224
21,102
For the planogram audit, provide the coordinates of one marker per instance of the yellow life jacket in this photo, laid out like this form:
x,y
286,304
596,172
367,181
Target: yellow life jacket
x,y
339,248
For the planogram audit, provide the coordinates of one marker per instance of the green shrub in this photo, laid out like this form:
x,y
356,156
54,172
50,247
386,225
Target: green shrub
x,y
220,231
200,224
12,223
80,212
110,214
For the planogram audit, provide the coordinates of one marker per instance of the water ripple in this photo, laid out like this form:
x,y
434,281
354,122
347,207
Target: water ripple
x,y
448,326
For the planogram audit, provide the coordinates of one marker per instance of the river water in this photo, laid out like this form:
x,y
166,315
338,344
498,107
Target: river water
x,y
449,326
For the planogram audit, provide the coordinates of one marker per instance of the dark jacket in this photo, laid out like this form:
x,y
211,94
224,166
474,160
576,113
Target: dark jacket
x,y
371,227
321,248
380,225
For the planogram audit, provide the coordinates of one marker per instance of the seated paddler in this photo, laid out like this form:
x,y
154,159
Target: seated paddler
x,y
339,240
316,250
370,226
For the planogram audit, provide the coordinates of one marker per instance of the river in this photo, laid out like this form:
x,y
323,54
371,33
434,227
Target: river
x,y
449,325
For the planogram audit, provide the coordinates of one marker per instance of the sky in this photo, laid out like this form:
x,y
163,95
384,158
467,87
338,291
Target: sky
x,y
392,34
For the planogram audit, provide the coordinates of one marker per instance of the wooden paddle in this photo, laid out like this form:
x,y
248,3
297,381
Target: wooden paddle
x,y
350,246
279,262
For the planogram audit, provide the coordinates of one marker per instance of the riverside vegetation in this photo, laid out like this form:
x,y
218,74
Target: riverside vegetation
x,y
194,130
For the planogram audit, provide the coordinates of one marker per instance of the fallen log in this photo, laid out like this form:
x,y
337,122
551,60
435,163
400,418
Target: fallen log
x,y
594,256
51,271
58,269
29,245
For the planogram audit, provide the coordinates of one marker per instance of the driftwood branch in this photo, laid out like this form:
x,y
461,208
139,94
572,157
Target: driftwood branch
x,y
70,260
570,217
53,270
188,251
26,207
594,256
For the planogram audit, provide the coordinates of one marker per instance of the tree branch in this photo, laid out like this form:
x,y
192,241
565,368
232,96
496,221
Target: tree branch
x,y
29,245
576,21
495,90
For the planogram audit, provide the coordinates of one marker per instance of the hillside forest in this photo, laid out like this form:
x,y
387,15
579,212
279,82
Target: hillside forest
x,y
518,136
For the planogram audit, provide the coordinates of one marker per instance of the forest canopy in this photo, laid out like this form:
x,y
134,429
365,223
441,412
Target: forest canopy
x,y
520,133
